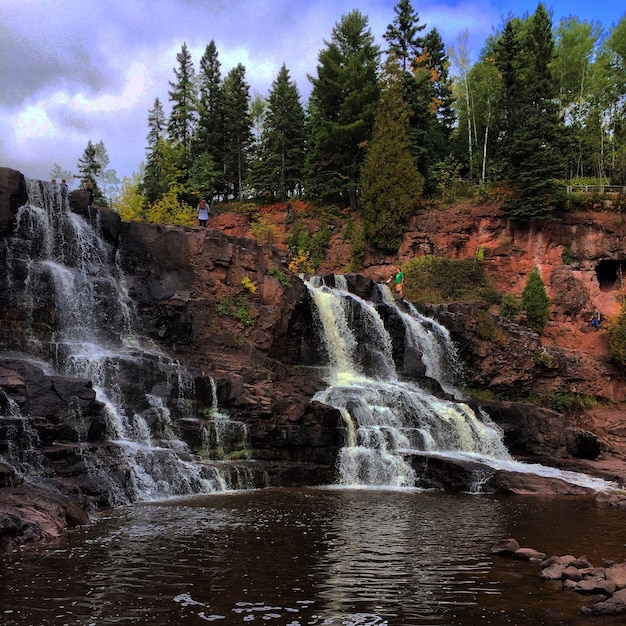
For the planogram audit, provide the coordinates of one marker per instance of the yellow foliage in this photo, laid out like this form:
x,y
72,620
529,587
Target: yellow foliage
x,y
301,264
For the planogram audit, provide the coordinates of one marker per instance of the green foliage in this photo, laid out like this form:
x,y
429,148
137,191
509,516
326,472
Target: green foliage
x,y
568,256
511,307
90,168
535,301
203,177
243,312
303,244
341,110
617,336
544,358
535,133
566,403
237,130
390,185
355,234
277,273
438,279
239,310
264,231
487,329
183,97
279,169
224,307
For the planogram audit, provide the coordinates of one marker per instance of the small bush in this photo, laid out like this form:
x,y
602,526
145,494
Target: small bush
x,y
536,301
511,307
264,231
248,284
616,328
438,279
243,312
277,273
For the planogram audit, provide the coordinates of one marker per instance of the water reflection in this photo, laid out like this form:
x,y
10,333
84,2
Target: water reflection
x,y
309,557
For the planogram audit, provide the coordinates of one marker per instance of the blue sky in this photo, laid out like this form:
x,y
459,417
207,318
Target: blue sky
x,y
72,71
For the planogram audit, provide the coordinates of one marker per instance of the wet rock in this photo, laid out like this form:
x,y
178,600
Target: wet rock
x,y
617,574
615,605
552,572
595,585
12,196
529,554
505,546
524,483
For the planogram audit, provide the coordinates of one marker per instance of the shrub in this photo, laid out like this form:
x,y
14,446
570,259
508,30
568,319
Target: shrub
x,y
277,273
511,307
438,279
535,301
248,284
264,231
617,336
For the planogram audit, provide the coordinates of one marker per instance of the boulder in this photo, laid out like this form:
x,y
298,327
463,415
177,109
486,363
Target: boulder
x,y
506,546
13,195
615,605
529,554
524,483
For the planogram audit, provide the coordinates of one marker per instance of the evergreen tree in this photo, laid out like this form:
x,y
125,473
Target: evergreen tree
x,y
107,178
152,185
183,115
391,185
341,110
535,301
281,158
402,34
208,140
237,130
535,144
89,169
445,118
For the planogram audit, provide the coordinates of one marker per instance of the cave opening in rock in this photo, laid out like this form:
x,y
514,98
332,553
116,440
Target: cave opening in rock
x,y
610,274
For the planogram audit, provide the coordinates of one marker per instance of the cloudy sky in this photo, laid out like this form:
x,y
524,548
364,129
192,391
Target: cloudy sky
x,y
73,71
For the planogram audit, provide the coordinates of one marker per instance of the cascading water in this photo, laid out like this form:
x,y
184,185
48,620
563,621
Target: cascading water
x,y
388,420
94,338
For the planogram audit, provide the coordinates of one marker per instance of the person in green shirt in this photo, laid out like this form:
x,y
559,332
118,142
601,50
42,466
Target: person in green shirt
x,y
399,282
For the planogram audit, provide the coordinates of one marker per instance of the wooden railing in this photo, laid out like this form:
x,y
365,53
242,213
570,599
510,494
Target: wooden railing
x,y
599,189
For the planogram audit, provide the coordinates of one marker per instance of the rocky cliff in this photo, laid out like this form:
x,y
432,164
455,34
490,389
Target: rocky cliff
x,y
230,311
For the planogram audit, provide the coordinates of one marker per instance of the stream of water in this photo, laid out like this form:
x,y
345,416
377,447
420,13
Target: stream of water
x,y
315,557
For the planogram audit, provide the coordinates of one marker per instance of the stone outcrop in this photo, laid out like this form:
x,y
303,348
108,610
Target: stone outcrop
x,y
606,584
228,309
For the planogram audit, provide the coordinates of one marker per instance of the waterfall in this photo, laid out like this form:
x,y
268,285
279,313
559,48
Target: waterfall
x,y
94,337
425,334
387,419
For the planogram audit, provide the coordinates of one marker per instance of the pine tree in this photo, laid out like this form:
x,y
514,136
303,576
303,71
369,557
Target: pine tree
x,y
280,165
237,130
535,301
152,185
534,146
391,185
445,118
208,140
341,110
183,115
89,169
402,34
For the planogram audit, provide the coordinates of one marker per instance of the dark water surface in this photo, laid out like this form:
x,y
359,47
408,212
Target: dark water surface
x,y
311,557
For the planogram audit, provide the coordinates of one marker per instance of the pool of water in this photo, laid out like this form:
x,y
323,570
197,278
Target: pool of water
x,y
311,557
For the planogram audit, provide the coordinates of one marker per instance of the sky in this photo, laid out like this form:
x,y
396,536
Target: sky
x,y
71,72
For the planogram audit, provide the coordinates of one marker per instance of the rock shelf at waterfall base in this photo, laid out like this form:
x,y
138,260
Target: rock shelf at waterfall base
x,y
135,364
